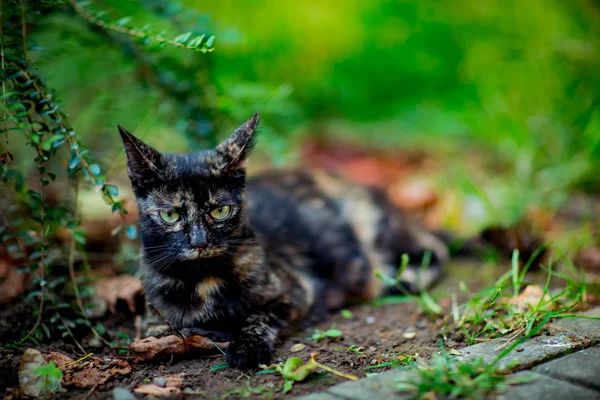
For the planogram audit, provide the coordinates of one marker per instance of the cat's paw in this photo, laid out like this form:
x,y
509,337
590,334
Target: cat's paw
x,y
249,352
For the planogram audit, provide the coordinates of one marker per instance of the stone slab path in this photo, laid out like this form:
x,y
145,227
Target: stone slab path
x,y
562,364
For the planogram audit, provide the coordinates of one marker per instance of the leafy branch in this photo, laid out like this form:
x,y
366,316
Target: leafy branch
x,y
185,40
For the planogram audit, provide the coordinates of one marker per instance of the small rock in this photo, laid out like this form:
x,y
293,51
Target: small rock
x,y
95,342
374,361
421,324
297,347
162,382
370,320
409,335
122,394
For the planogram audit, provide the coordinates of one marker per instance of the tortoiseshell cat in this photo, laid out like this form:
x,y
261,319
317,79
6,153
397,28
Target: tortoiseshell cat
x,y
242,260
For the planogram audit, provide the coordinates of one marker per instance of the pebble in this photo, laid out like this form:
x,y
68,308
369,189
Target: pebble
x,y
409,335
122,394
421,324
162,382
297,347
370,320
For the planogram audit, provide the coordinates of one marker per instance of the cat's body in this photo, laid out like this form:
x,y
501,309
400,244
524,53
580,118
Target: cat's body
x,y
292,246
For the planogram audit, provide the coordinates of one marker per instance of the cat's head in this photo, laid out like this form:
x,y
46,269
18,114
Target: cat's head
x,y
191,205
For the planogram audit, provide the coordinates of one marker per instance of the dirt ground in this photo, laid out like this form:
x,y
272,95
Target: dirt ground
x,y
385,334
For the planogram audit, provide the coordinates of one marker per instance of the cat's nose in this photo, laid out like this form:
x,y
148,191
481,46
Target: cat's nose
x,y
198,238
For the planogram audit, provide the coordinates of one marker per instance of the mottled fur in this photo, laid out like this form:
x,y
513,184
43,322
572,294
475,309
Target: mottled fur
x,y
302,243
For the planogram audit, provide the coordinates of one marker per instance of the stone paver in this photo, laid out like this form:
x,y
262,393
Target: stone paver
x,y
566,336
381,386
568,376
582,367
542,387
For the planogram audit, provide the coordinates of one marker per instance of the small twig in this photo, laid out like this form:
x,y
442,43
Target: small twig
x,y
42,259
177,331
89,394
77,361
138,328
68,329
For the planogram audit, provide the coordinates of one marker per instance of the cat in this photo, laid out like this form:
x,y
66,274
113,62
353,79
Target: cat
x,y
247,260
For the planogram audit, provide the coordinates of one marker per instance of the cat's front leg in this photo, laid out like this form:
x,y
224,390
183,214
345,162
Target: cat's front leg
x,y
253,343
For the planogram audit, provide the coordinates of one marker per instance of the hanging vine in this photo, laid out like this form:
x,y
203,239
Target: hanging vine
x,y
28,222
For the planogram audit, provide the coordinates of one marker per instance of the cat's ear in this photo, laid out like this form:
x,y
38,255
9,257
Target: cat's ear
x,y
232,154
144,163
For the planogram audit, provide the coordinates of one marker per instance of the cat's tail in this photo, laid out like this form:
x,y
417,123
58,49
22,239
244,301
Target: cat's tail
x,y
500,240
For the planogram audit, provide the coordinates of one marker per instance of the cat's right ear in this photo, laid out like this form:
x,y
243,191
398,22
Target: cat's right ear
x,y
143,161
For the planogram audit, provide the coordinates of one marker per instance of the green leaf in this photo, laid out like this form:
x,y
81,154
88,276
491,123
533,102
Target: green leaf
x,y
79,237
75,160
287,386
47,144
197,41
123,21
95,168
333,333
219,367
9,94
131,232
112,190
184,37
347,314
210,41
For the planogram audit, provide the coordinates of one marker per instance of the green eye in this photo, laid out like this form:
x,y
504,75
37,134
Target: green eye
x,y
220,213
169,217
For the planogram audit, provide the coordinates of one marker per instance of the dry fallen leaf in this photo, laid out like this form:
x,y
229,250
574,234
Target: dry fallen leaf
x,y
414,195
95,372
152,348
122,287
171,387
531,296
59,359
12,283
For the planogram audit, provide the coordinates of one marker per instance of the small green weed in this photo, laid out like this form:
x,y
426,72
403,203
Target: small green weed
x,y
505,310
357,350
424,300
295,370
51,377
346,314
448,377
332,333
401,360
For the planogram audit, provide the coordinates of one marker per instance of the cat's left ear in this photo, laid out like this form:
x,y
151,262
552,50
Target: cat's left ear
x,y
232,154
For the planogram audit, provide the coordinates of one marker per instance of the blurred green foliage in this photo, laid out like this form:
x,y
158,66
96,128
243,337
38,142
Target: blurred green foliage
x,y
511,83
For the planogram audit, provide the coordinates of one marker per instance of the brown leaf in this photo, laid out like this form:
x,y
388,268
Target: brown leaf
x,y
154,349
122,287
12,283
531,296
172,386
59,359
95,372
414,195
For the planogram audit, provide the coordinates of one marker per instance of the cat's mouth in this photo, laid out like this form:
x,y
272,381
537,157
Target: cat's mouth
x,y
207,252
